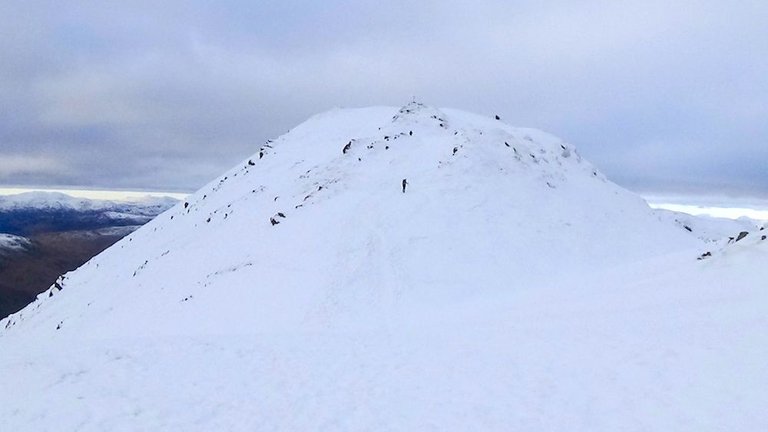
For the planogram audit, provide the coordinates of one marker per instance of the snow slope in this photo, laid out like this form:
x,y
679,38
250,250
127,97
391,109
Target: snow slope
x,y
510,287
707,228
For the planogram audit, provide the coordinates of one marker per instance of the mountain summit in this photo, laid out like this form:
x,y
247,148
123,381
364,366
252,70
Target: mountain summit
x,y
381,269
362,212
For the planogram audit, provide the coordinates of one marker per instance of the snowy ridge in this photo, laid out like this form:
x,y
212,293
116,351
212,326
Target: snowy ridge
x,y
481,195
33,212
59,201
39,203
707,228
741,242
509,287
52,200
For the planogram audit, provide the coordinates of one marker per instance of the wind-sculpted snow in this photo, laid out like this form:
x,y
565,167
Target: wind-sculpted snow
x,y
743,242
504,285
707,228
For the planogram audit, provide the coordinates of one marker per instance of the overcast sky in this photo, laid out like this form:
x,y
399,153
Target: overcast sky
x,y
663,96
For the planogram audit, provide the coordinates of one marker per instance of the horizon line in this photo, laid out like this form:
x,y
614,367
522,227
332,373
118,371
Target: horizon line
x,y
116,194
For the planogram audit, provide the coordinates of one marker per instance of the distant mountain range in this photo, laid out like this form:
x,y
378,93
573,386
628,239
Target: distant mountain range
x,y
45,234
35,212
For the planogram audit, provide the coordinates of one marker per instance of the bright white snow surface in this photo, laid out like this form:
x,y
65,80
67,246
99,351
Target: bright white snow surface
x,y
511,287
707,228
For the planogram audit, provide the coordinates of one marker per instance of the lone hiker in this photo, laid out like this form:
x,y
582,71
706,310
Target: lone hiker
x,y
346,148
405,183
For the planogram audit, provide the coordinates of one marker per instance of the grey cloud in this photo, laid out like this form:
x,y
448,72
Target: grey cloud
x,y
30,166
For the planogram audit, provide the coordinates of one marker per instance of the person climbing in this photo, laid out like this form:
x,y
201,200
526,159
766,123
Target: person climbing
x,y
405,183
346,148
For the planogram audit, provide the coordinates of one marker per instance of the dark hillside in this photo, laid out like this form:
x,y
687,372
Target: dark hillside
x,y
24,274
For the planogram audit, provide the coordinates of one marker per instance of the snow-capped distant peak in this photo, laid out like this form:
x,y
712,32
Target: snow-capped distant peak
x,y
13,242
59,201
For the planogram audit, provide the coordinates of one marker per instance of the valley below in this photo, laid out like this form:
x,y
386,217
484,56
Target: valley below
x,y
48,234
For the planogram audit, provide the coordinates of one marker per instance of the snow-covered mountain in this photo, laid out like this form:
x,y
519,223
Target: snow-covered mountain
x,y
26,212
397,269
58,200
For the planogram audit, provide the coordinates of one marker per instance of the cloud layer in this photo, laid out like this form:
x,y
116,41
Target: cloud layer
x,y
662,96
